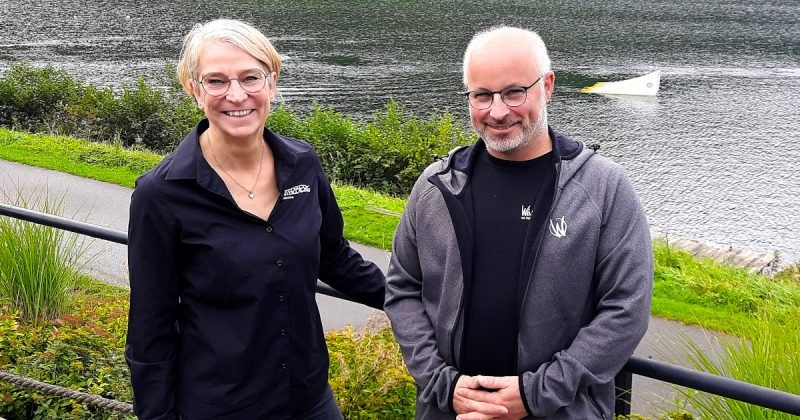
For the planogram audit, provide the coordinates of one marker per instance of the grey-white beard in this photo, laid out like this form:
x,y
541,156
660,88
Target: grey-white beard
x,y
519,141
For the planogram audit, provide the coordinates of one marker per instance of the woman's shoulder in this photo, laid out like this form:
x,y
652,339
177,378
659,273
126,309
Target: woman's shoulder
x,y
298,152
156,174
290,144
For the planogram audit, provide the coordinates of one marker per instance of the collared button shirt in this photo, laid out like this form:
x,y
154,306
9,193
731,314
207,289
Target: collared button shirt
x,y
223,319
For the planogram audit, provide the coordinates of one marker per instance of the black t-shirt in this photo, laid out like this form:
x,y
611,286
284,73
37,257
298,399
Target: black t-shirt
x,y
505,204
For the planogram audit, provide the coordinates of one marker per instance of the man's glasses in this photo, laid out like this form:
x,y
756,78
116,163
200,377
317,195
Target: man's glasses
x,y
511,96
217,84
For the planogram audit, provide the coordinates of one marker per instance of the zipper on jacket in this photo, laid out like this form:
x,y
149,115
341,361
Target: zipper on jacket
x,y
536,258
594,403
445,192
456,359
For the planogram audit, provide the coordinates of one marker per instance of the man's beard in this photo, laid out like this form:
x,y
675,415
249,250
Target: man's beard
x,y
519,141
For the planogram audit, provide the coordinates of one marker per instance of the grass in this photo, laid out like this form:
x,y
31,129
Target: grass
x,y
769,357
719,297
38,264
103,162
370,217
760,314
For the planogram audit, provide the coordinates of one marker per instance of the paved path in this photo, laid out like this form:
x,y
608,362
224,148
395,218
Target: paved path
x,y
107,205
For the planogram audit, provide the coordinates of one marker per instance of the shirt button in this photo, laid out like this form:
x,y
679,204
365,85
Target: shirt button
x,y
279,263
283,331
269,229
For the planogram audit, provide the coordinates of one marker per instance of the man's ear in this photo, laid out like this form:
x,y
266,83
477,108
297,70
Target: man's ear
x,y
549,85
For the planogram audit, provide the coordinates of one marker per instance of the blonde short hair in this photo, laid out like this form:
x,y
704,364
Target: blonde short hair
x,y
234,32
533,40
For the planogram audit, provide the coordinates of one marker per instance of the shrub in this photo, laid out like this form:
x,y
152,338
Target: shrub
x,y
32,97
386,154
84,350
368,376
46,99
146,116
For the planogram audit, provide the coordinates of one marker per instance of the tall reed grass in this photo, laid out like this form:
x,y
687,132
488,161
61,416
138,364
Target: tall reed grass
x,y
38,264
769,356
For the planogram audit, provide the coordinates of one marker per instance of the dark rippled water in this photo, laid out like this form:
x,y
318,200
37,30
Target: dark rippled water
x,y
714,156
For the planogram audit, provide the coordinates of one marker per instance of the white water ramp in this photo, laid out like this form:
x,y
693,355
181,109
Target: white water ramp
x,y
646,85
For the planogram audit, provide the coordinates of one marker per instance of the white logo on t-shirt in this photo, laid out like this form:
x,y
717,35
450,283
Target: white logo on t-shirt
x,y
526,213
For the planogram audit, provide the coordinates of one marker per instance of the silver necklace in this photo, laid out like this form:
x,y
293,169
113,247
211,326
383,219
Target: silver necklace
x,y
251,192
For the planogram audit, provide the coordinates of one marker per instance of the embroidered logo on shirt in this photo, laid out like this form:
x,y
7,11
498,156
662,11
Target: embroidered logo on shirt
x,y
559,228
289,193
526,213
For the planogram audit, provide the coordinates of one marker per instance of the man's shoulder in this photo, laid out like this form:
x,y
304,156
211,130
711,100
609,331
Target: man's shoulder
x,y
594,165
441,164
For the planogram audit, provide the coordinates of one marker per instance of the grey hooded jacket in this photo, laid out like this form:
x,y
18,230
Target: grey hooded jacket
x,y
586,285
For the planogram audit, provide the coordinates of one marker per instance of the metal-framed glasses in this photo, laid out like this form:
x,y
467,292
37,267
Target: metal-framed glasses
x,y
217,84
511,96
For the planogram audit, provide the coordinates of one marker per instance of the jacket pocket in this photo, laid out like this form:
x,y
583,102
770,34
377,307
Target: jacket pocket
x,y
596,405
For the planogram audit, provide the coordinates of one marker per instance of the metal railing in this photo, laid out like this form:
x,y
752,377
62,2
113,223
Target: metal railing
x,y
701,381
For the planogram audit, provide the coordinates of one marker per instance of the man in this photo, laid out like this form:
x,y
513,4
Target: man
x,y
522,271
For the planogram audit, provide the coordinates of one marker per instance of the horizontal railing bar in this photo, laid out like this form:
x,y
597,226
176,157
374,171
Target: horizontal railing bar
x,y
701,381
108,234
64,223
717,385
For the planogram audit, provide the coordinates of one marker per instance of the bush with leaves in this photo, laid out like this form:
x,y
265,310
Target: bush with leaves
x,y
32,98
47,99
84,350
386,154
368,376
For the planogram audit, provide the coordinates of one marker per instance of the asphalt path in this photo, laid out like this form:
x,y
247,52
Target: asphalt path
x,y
107,205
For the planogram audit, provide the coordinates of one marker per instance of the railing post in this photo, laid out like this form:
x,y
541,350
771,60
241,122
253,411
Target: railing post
x,y
623,386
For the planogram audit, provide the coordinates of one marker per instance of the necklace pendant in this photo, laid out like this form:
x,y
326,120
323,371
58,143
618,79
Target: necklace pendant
x,y
252,195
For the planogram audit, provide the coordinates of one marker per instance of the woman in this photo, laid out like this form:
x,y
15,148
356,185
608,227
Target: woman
x,y
227,237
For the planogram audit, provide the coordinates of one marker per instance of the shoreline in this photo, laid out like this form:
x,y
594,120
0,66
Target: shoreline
x,y
764,263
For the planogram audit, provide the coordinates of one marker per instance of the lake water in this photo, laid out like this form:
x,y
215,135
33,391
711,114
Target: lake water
x,y
714,156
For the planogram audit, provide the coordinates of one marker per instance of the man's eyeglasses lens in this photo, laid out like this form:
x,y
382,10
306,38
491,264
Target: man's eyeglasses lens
x,y
217,84
511,96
